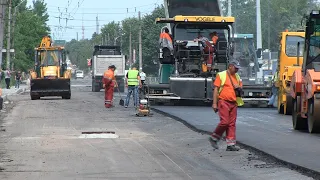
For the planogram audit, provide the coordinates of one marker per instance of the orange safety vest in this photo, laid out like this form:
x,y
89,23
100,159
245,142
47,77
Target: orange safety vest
x,y
215,39
165,36
109,74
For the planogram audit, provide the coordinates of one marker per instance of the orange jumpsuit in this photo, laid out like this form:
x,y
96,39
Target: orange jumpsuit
x,y
214,40
227,110
209,50
108,81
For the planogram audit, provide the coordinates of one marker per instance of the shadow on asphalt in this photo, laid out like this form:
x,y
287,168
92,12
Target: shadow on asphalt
x,y
201,104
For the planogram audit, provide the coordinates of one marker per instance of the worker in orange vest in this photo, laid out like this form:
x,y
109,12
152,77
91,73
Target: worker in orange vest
x,y
226,99
214,38
165,41
208,49
108,85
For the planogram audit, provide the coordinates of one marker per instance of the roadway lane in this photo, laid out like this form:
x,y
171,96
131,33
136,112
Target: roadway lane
x,y
263,129
43,139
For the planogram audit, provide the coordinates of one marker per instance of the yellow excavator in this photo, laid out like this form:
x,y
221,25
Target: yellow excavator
x,y
50,76
290,59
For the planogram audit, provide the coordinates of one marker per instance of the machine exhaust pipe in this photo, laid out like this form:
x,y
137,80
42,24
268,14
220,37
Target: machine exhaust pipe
x,y
298,54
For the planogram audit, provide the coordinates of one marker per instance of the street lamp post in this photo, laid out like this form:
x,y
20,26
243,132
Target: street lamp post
x,y
115,40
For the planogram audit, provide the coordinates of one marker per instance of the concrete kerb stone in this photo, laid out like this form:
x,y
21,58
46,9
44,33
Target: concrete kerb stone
x,y
292,166
19,91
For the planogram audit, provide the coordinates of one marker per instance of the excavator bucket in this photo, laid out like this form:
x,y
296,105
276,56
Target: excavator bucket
x,y
50,87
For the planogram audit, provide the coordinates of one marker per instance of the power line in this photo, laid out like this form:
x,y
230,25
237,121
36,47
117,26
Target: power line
x,y
111,8
96,12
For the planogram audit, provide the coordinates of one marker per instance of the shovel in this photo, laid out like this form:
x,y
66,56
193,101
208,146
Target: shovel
x,y
121,102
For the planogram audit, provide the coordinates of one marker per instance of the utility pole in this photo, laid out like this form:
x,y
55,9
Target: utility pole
x,y
97,25
108,39
3,5
9,35
130,48
140,44
269,57
13,27
229,7
82,29
77,36
259,38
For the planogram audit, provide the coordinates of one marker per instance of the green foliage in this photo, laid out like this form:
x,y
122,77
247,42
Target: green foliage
x,y
150,40
27,31
79,52
282,15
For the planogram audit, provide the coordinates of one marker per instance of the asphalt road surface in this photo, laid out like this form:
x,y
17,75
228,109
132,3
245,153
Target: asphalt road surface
x,y
42,139
261,128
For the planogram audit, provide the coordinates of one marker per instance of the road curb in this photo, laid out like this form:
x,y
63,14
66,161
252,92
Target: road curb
x,y
303,170
19,91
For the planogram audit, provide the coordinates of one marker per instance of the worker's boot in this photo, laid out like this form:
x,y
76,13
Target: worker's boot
x,y
213,142
232,148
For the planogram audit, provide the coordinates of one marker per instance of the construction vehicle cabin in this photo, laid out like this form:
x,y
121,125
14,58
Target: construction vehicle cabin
x,y
288,62
255,92
182,75
50,76
305,84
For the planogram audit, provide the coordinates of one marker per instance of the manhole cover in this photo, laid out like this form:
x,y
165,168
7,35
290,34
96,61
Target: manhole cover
x,y
99,134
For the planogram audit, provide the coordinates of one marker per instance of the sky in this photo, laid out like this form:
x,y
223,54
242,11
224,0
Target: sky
x,y
66,17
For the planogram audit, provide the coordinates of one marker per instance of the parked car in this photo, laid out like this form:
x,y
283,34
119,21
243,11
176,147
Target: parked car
x,y
79,74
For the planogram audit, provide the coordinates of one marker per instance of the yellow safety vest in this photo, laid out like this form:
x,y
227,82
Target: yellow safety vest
x,y
223,77
275,77
133,78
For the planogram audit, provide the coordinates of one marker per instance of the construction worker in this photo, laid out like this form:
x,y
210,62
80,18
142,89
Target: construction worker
x,y
108,85
165,42
208,49
274,89
214,37
143,77
132,83
226,99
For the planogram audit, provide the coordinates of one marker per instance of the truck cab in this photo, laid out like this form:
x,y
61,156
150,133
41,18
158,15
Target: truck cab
x,y
288,62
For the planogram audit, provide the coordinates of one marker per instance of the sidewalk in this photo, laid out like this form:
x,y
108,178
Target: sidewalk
x,y
13,91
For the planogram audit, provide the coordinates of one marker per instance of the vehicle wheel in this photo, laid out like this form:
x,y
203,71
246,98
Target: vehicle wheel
x,y
95,88
280,107
313,116
66,96
298,122
288,106
34,97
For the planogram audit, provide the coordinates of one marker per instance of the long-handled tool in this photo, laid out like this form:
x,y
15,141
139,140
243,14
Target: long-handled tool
x,y
121,102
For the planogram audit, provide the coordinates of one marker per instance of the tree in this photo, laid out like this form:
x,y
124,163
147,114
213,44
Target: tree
x,y
111,33
282,15
30,27
150,39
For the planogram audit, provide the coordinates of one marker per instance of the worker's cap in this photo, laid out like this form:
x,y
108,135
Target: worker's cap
x,y
236,63
112,66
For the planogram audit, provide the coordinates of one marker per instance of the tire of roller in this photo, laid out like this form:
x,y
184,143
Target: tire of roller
x,y
280,107
289,105
298,122
313,115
